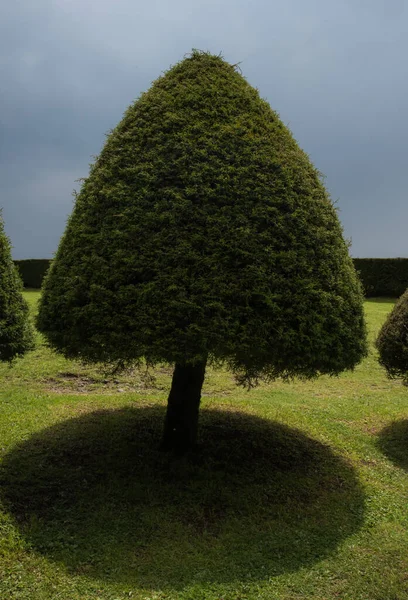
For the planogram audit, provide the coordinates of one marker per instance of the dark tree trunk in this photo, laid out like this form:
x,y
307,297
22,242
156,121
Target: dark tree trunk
x,y
181,422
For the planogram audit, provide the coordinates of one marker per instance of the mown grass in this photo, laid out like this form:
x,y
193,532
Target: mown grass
x,y
299,490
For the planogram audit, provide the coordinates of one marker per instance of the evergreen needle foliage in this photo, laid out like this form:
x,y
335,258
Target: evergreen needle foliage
x,y
16,332
204,230
392,341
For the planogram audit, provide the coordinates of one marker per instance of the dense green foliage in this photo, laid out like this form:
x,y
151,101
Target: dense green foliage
x,y
392,341
16,333
203,229
383,276
33,270
379,276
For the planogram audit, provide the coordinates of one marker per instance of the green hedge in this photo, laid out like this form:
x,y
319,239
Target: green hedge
x,y
380,276
383,276
32,271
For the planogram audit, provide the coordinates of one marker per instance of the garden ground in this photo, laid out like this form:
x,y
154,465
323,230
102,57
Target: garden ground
x,y
298,490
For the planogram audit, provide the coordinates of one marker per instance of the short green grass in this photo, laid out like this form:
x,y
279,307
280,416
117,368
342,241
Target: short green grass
x,y
298,491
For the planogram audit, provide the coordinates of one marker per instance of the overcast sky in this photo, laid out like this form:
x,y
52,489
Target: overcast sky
x,y
335,70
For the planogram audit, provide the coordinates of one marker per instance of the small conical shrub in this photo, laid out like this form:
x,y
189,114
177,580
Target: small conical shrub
x,y
16,332
392,341
204,231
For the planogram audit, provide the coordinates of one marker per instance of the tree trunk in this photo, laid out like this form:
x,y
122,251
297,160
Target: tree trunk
x,y
181,422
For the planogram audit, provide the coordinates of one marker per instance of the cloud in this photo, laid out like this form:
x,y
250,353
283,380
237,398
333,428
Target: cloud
x,y
335,71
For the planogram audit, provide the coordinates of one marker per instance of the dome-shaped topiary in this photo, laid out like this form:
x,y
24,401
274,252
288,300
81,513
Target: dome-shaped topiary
x,y
392,341
16,331
203,230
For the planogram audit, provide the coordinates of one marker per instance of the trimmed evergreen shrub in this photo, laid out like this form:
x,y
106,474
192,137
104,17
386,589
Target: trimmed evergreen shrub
x,y
392,341
383,276
33,270
203,232
16,332
379,276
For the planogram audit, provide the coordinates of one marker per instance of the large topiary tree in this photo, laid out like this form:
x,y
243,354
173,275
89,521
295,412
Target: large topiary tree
x,y
16,331
392,341
203,233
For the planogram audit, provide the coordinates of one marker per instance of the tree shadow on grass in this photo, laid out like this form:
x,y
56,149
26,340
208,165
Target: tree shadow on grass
x,y
393,442
260,499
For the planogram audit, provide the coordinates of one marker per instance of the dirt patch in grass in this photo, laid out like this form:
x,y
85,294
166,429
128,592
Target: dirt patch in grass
x,y
131,381
134,381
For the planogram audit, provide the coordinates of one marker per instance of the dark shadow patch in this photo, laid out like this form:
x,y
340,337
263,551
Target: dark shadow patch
x,y
381,299
393,442
257,500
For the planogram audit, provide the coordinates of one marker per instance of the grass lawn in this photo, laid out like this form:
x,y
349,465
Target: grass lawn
x,y
299,491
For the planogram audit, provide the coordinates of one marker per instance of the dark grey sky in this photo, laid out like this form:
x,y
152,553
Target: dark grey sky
x,y
335,70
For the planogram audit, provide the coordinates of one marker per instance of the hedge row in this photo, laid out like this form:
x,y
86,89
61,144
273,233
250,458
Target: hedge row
x,y
380,276
32,271
383,276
